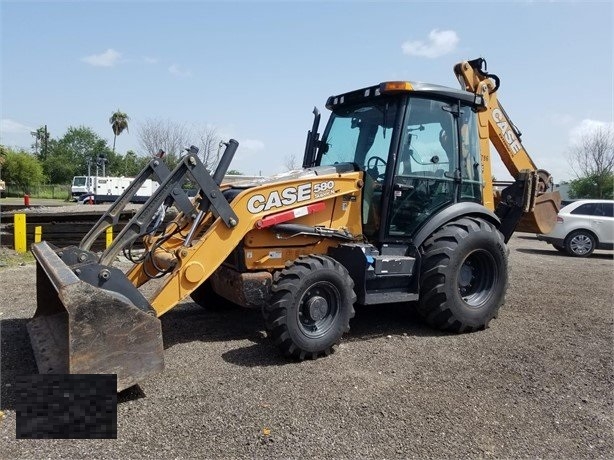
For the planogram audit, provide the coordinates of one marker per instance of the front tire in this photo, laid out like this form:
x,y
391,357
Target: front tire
x,y
311,307
464,275
580,243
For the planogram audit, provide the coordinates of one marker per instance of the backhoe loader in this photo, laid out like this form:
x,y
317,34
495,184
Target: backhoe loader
x,y
394,203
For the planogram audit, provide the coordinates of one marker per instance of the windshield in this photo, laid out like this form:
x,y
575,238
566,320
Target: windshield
x,y
78,181
358,134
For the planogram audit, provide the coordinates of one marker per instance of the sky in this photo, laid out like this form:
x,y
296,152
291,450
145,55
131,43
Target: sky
x,y
254,70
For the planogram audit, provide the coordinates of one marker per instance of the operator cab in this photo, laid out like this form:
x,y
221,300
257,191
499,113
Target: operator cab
x,y
418,146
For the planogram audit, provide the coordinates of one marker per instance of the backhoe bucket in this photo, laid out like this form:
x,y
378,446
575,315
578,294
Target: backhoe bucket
x,y
543,217
82,328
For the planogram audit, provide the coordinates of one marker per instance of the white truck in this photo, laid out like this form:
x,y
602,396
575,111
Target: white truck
x,y
98,189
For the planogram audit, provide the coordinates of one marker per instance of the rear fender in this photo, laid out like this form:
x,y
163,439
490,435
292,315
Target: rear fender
x,y
452,213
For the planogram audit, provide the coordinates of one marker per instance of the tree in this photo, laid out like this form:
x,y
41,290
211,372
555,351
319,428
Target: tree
x,y
588,187
592,159
69,155
3,153
171,137
210,147
41,142
119,122
22,169
290,162
133,164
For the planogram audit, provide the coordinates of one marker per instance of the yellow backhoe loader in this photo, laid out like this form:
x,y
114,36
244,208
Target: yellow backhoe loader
x,y
394,203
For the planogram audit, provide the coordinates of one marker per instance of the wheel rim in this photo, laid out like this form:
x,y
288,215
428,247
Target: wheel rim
x,y
477,277
581,244
318,309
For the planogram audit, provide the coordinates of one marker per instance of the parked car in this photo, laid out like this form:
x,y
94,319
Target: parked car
x,y
582,227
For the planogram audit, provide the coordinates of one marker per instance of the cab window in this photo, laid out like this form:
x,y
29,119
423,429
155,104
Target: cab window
x,y
360,134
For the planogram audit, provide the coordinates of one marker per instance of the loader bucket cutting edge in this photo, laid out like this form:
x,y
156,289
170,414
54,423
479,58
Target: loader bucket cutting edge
x,y
543,218
79,328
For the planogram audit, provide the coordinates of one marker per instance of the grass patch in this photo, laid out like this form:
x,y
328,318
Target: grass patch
x,y
10,258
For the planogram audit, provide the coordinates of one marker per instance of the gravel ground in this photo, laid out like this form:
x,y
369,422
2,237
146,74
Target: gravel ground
x,y
538,383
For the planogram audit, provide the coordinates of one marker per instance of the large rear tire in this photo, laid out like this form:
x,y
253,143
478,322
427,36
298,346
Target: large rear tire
x,y
464,275
311,307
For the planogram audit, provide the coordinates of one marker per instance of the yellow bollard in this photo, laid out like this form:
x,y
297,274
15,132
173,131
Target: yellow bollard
x,y
109,236
20,232
38,234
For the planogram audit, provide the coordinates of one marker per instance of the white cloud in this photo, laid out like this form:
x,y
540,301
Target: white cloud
x,y
150,60
440,42
107,59
251,145
11,127
586,127
177,71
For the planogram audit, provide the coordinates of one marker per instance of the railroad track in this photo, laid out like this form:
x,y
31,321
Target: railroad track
x,y
60,228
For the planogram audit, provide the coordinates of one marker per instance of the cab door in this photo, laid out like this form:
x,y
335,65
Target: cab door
x,y
425,175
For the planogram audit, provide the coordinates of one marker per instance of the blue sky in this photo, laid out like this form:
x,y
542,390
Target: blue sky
x,y
255,70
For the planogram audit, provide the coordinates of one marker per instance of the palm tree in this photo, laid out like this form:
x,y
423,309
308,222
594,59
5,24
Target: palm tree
x,y
119,122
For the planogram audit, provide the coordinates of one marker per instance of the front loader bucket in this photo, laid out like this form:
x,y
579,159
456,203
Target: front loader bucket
x,y
82,328
543,217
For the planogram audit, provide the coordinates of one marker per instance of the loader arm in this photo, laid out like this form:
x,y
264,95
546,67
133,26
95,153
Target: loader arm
x,y
214,241
529,204
90,318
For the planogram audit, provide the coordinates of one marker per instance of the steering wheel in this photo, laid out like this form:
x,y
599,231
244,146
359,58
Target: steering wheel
x,y
372,166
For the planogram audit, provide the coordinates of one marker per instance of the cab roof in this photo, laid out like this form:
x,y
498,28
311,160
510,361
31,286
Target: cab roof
x,y
397,87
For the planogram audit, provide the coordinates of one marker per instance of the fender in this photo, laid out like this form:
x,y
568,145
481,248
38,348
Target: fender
x,y
451,213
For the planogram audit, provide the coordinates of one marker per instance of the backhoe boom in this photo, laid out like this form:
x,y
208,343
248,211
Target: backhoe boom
x,y
530,204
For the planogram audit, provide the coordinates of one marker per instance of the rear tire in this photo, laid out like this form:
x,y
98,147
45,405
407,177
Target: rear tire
x,y
311,307
464,275
580,243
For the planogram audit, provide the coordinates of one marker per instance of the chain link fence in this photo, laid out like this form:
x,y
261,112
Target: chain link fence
x,y
54,191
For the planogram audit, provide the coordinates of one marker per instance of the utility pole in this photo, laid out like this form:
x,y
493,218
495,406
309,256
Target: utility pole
x,y
45,143
88,181
35,135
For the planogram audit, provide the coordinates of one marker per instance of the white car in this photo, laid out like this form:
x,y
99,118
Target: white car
x,y
583,226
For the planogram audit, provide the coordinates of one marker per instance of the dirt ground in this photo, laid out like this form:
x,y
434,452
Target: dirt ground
x,y
538,383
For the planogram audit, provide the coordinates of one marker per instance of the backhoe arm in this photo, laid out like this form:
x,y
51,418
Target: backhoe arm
x,y
504,135
529,204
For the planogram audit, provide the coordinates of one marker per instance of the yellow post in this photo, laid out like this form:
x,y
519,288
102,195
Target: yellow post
x,y
20,232
38,234
109,236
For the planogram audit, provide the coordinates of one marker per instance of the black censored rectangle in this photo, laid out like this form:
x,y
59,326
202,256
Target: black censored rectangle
x,y
75,406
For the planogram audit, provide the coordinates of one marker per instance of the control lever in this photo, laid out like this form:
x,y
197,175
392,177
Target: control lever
x,y
403,187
